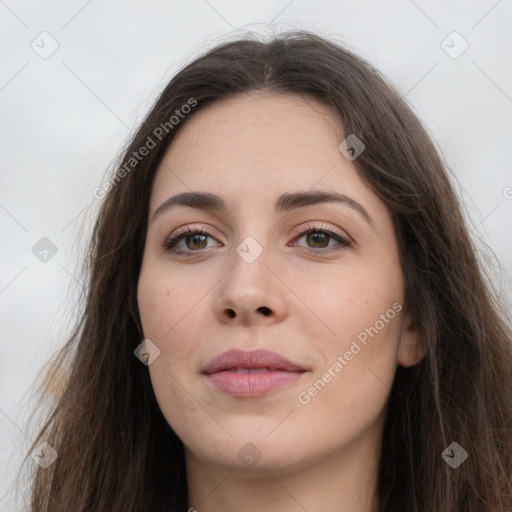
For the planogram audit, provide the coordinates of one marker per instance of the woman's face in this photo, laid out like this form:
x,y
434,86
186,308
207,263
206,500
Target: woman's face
x,y
329,301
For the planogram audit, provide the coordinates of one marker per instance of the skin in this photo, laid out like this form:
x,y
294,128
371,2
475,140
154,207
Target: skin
x,y
315,456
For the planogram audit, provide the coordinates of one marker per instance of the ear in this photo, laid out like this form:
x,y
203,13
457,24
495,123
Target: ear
x,y
410,350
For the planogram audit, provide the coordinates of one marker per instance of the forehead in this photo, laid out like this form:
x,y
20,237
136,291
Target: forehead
x,y
252,148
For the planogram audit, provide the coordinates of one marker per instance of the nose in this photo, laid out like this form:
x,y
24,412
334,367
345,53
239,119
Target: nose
x,y
250,293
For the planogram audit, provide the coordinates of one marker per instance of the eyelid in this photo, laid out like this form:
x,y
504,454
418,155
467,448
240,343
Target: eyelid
x,y
192,229
310,226
189,228
297,231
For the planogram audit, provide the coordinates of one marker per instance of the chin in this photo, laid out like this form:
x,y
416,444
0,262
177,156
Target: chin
x,y
241,454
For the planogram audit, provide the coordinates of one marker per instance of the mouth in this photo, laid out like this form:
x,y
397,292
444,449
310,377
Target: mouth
x,y
251,373
252,370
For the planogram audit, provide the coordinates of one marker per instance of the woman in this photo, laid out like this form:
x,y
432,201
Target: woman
x,y
285,310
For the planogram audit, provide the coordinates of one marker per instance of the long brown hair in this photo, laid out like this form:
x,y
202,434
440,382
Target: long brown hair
x,y
116,451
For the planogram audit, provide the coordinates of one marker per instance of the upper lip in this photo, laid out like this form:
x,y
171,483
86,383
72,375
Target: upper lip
x,y
233,359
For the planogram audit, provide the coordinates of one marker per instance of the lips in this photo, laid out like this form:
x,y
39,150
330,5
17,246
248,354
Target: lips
x,y
250,373
234,360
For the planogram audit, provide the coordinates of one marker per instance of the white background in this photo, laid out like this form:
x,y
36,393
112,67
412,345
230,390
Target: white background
x,y
65,118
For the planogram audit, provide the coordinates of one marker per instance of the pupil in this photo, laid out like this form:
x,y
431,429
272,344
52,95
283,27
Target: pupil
x,y
195,239
318,237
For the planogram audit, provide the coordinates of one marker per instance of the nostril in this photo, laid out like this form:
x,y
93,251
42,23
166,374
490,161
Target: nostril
x,y
266,311
231,313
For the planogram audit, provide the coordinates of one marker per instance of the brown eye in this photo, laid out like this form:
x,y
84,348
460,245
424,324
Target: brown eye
x,y
194,241
319,238
197,241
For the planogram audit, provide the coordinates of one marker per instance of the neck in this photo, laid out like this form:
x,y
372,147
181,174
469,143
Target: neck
x,y
341,481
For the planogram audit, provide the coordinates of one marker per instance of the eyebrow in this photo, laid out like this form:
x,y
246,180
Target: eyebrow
x,y
285,203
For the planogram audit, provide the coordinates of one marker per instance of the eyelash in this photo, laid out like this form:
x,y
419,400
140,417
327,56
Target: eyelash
x,y
173,240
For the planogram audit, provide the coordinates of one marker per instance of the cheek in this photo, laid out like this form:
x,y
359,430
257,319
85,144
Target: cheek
x,y
165,321
350,300
361,316
165,300
174,311
349,391
182,412
174,322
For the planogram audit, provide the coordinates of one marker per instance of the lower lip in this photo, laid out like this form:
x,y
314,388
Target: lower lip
x,y
252,384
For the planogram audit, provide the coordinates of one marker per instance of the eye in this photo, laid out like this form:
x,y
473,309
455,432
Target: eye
x,y
319,237
194,239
